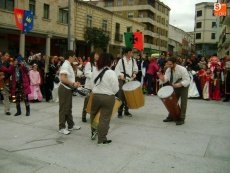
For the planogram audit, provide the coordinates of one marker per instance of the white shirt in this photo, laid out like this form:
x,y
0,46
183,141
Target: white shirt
x,y
108,84
88,71
130,67
66,68
180,72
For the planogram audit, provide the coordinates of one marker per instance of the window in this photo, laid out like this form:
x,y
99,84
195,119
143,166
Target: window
x,y
130,14
63,15
199,25
89,21
130,2
198,35
129,29
32,6
7,4
199,13
117,28
119,3
104,25
213,36
46,11
213,24
109,4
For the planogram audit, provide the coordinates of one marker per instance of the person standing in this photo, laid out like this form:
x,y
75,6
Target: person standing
x,y
178,77
67,79
20,84
151,75
103,99
35,81
5,91
226,78
126,70
88,72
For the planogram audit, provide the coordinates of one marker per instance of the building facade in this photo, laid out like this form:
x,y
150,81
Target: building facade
x,y
58,26
180,43
152,13
224,34
206,29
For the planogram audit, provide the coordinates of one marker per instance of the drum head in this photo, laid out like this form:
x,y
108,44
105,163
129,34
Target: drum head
x,y
130,86
165,92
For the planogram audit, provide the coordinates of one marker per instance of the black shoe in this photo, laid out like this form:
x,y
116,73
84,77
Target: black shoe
x,y
128,114
168,119
179,122
8,113
119,115
225,100
84,120
105,142
17,114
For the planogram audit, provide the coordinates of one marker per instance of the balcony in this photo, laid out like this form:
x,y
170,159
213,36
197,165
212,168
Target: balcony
x,y
118,37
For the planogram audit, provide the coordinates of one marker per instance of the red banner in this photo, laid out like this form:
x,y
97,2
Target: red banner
x,y
19,15
138,40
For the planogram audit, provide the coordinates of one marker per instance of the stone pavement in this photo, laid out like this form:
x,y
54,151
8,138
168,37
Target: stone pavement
x,y
141,144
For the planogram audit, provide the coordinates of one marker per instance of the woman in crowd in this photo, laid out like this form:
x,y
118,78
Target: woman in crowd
x,y
88,72
104,90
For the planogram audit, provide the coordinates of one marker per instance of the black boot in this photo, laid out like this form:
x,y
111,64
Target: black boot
x,y
18,110
28,110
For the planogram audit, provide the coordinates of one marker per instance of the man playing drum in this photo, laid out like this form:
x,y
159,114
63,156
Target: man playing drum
x,y
178,77
126,70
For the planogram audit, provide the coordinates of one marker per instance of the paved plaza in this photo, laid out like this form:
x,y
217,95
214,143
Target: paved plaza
x,y
141,144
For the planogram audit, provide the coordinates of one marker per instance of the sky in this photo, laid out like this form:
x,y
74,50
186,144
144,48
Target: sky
x,y
182,13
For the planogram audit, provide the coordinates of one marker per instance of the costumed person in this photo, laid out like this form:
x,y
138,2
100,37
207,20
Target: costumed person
x,y
88,72
126,70
216,95
67,78
226,78
20,88
5,88
178,77
35,81
201,77
207,90
103,98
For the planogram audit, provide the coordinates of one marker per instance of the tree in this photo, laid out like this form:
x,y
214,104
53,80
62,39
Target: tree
x,y
97,37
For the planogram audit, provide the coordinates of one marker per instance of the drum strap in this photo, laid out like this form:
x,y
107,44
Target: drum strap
x,y
100,75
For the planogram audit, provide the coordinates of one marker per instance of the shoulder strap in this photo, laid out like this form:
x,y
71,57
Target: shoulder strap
x,y
123,64
100,75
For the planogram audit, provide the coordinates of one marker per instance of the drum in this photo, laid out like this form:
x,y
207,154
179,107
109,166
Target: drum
x,y
133,94
168,97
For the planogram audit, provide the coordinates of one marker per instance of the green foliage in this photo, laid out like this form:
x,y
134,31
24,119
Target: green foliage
x,y
97,37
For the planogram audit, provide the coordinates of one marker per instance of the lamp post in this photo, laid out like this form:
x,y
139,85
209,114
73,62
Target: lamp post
x,y
70,40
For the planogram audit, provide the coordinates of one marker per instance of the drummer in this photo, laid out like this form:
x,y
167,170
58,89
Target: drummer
x,y
178,77
126,70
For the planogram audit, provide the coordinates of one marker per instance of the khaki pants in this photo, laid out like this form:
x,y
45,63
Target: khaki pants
x,y
182,94
6,94
105,104
65,107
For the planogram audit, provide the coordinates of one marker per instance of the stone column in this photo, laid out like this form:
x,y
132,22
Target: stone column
x,y
22,44
48,38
